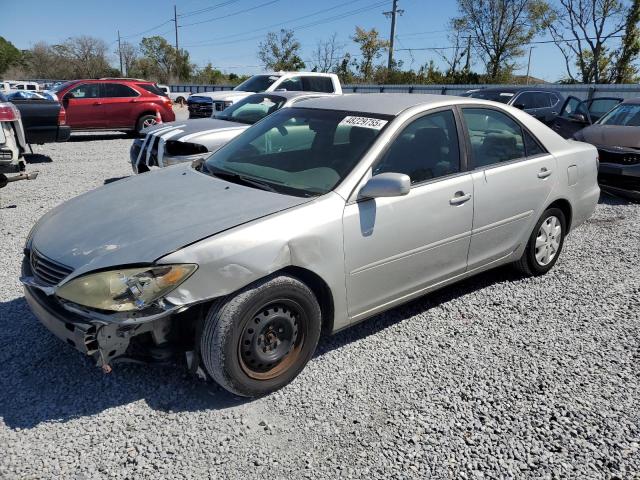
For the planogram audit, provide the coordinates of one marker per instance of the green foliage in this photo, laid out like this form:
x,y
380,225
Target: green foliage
x,y
625,71
280,51
371,48
9,55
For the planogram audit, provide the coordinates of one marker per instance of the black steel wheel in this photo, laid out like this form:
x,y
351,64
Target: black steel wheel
x,y
258,340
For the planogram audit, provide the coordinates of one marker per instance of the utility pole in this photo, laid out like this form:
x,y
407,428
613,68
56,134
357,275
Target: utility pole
x,y
175,21
529,64
120,54
393,14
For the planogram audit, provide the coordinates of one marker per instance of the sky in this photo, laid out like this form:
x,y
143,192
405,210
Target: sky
x,y
227,32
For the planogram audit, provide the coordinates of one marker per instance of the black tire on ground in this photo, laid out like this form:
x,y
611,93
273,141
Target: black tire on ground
x,y
180,101
141,123
259,339
528,264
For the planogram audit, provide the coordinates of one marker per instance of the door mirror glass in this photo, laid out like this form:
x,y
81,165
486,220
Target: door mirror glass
x,y
388,184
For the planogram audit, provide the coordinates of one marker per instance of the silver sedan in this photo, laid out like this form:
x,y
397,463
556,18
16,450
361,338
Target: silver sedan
x,y
315,218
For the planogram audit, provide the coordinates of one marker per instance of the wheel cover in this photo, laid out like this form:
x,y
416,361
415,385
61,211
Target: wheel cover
x,y
149,122
548,240
272,339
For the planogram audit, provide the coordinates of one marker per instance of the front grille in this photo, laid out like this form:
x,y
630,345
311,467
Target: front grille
x,y
623,157
200,110
47,271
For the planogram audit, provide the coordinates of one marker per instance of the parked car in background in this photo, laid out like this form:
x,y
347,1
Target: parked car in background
x,y
177,142
9,85
12,145
113,104
204,104
176,97
577,114
44,120
25,95
543,104
616,135
319,216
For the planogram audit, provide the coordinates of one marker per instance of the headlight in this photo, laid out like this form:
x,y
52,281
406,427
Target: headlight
x,y
126,289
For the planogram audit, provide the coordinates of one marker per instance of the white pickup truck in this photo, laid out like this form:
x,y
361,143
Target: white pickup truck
x,y
177,97
205,104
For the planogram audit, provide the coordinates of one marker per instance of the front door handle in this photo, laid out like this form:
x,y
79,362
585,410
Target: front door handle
x,y
544,173
460,198
97,103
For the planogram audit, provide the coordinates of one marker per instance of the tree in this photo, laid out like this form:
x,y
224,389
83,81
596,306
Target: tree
x,y
583,31
87,56
499,29
461,50
9,54
327,54
280,51
158,55
371,48
625,71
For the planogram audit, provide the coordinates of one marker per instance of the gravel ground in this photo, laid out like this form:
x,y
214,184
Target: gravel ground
x,y
498,377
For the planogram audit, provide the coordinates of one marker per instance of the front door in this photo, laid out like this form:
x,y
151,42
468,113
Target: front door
x,y
84,106
395,247
512,179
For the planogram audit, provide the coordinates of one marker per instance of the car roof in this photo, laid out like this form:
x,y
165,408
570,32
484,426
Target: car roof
x,y
292,94
531,88
630,101
379,103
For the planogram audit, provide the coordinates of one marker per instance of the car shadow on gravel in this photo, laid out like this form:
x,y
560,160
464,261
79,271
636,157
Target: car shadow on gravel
x,y
33,158
44,380
92,137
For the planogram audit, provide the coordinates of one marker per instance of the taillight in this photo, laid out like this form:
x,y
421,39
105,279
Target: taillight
x,y
8,112
62,116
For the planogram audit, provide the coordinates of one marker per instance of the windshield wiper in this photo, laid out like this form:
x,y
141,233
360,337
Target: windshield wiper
x,y
241,179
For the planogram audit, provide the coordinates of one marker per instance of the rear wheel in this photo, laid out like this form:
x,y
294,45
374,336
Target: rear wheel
x,y
145,121
260,339
545,244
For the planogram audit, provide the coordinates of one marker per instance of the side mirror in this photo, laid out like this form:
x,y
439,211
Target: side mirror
x,y
386,185
577,117
521,106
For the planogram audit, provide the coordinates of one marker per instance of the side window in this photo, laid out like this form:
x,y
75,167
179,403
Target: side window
x,y
600,106
118,90
526,99
293,84
541,100
317,84
427,148
532,147
554,99
87,90
494,136
571,106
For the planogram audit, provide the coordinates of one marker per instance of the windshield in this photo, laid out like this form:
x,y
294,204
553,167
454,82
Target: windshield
x,y
502,97
61,86
257,83
297,151
627,114
252,109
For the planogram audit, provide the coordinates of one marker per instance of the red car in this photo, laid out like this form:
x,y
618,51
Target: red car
x,y
114,104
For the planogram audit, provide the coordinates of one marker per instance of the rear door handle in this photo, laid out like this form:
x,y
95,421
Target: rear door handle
x,y
544,173
460,198
97,103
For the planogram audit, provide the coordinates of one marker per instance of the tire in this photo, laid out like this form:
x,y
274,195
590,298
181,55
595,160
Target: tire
x,y
258,340
539,260
180,101
143,122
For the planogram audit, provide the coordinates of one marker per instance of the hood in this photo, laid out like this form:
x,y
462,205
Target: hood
x,y
184,131
224,95
610,136
144,217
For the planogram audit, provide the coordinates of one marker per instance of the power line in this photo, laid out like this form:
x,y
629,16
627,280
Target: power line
x,y
148,30
215,41
271,2
207,9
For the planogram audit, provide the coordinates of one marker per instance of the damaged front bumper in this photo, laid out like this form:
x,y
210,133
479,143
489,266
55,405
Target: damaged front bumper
x,y
105,337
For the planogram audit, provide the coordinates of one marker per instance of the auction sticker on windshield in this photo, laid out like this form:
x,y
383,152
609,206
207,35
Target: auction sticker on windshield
x,y
364,122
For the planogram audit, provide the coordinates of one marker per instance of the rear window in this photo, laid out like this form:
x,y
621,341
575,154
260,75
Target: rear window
x,y
317,84
149,87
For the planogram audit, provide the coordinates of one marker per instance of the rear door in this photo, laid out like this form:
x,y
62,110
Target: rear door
x,y
84,106
512,179
119,105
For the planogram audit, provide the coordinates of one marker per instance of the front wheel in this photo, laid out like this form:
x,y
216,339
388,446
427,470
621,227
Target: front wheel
x,y
260,339
545,244
144,122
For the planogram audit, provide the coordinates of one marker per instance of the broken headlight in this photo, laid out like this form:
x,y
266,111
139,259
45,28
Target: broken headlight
x,y
126,289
